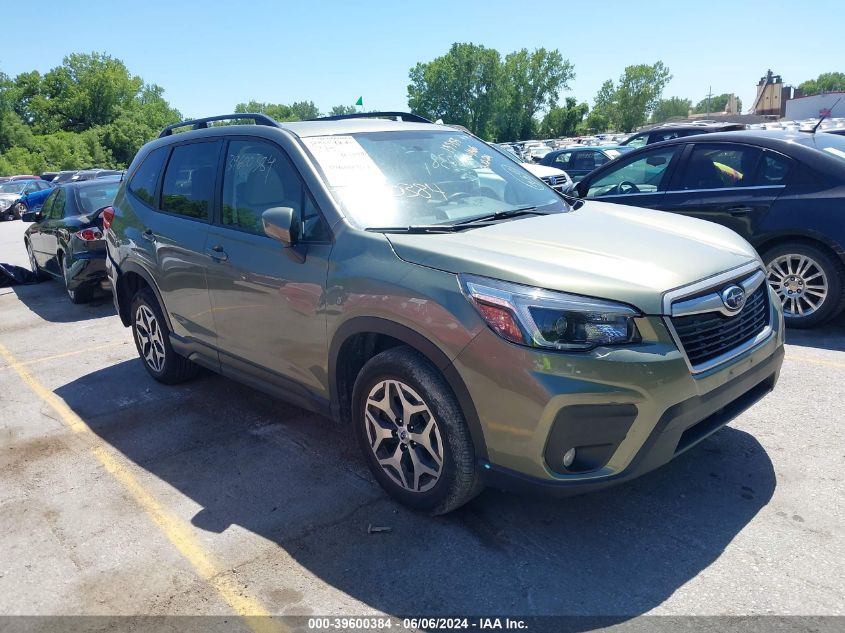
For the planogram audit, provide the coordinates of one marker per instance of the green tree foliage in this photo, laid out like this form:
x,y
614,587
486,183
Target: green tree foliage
x,y
826,82
717,103
340,110
458,87
601,116
638,93
531,83
673,107
89,111
628,104
564,120
495,98
297,111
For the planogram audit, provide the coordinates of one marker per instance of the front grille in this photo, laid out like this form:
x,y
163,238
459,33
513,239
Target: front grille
x,y
707,336
559,183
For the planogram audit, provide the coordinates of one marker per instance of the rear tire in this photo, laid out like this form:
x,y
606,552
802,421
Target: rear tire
x,y
808,281
152,340
78,295
413,433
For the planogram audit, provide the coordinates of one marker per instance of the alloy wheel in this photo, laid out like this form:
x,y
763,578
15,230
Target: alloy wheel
x,y
150,338
404,436
800,282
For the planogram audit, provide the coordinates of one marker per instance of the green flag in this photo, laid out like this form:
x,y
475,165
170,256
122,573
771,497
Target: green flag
x,y
360,102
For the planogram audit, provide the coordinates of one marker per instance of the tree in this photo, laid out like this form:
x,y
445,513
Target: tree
x,y
826,82
296,111
671,108
340,110
604,106
85,91
717,103
458,87
638,93
564,121
531,83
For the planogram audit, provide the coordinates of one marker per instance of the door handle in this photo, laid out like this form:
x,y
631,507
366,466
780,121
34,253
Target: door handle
x,y
740,210
149,235
217,253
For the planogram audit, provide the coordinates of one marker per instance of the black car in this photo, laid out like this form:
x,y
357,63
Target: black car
x,y
678,130
577,162
782,191
66,241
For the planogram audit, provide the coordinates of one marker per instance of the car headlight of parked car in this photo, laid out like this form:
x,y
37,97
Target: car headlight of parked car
x,y
547,319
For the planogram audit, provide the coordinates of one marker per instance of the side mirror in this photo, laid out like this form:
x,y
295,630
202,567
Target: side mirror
x,y
31,216
280,224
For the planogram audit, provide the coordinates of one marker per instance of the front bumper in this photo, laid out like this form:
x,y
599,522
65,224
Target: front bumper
x,y
630,409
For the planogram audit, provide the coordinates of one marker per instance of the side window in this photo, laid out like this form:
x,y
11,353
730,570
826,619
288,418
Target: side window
x,y
638,141
583,161
144,180
259,176
643,174
48,203
562,160
57,210
600,159
774,169
656,137
30,188
720,166
188,186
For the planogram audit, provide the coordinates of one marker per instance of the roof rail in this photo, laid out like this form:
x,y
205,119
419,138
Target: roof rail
x,y
402,116
199,124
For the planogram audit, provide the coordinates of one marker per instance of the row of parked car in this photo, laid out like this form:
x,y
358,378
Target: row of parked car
x,y
474,325
22,193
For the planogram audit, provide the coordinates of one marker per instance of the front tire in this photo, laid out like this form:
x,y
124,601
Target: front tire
x,y
808,281
40,275
152,340
18,210
413,433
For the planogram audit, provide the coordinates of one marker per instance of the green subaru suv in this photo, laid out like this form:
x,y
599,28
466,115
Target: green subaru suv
x,y
472,326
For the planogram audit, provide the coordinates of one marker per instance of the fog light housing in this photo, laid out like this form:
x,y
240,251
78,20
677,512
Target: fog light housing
x,y
569,458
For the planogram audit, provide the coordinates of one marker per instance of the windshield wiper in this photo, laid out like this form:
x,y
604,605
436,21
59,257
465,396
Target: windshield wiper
x,y
501,215
428,228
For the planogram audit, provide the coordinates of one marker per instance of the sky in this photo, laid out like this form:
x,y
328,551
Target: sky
x,y
208,59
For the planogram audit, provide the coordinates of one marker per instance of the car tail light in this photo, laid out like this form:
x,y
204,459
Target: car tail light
x,y
89,235
108,216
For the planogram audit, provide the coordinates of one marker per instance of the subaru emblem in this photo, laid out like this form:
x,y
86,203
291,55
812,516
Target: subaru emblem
x,y
734,298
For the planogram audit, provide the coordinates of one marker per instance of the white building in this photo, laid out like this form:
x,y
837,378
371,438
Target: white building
x,y
814,106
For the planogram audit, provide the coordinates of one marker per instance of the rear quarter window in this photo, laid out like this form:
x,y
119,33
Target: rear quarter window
x,y
144,181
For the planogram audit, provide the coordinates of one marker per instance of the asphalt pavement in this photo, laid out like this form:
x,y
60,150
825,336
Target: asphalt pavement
x,y
121,496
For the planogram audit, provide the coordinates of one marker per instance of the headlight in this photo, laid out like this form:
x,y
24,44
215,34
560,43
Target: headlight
x,y
543,318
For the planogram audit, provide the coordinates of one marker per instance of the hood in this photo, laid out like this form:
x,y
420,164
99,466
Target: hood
x,y
602,250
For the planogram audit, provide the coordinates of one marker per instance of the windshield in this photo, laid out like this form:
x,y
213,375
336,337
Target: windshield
x,y
385,179
12,187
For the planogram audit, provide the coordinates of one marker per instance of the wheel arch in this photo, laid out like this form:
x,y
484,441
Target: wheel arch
x,y
132,277
360,338
810,238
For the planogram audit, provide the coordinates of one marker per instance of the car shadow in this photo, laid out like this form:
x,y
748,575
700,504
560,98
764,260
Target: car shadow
x,y
297,480
829,336
50,302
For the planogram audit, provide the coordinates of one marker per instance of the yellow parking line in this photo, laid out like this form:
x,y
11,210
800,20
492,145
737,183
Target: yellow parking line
x,y
816,361
44,359
175,529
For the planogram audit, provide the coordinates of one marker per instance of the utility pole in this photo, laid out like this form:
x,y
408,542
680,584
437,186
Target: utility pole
x,y
709,95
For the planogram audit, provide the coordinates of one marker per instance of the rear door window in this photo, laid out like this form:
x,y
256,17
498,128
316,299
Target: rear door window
x,y
188,185
774,169
720,166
